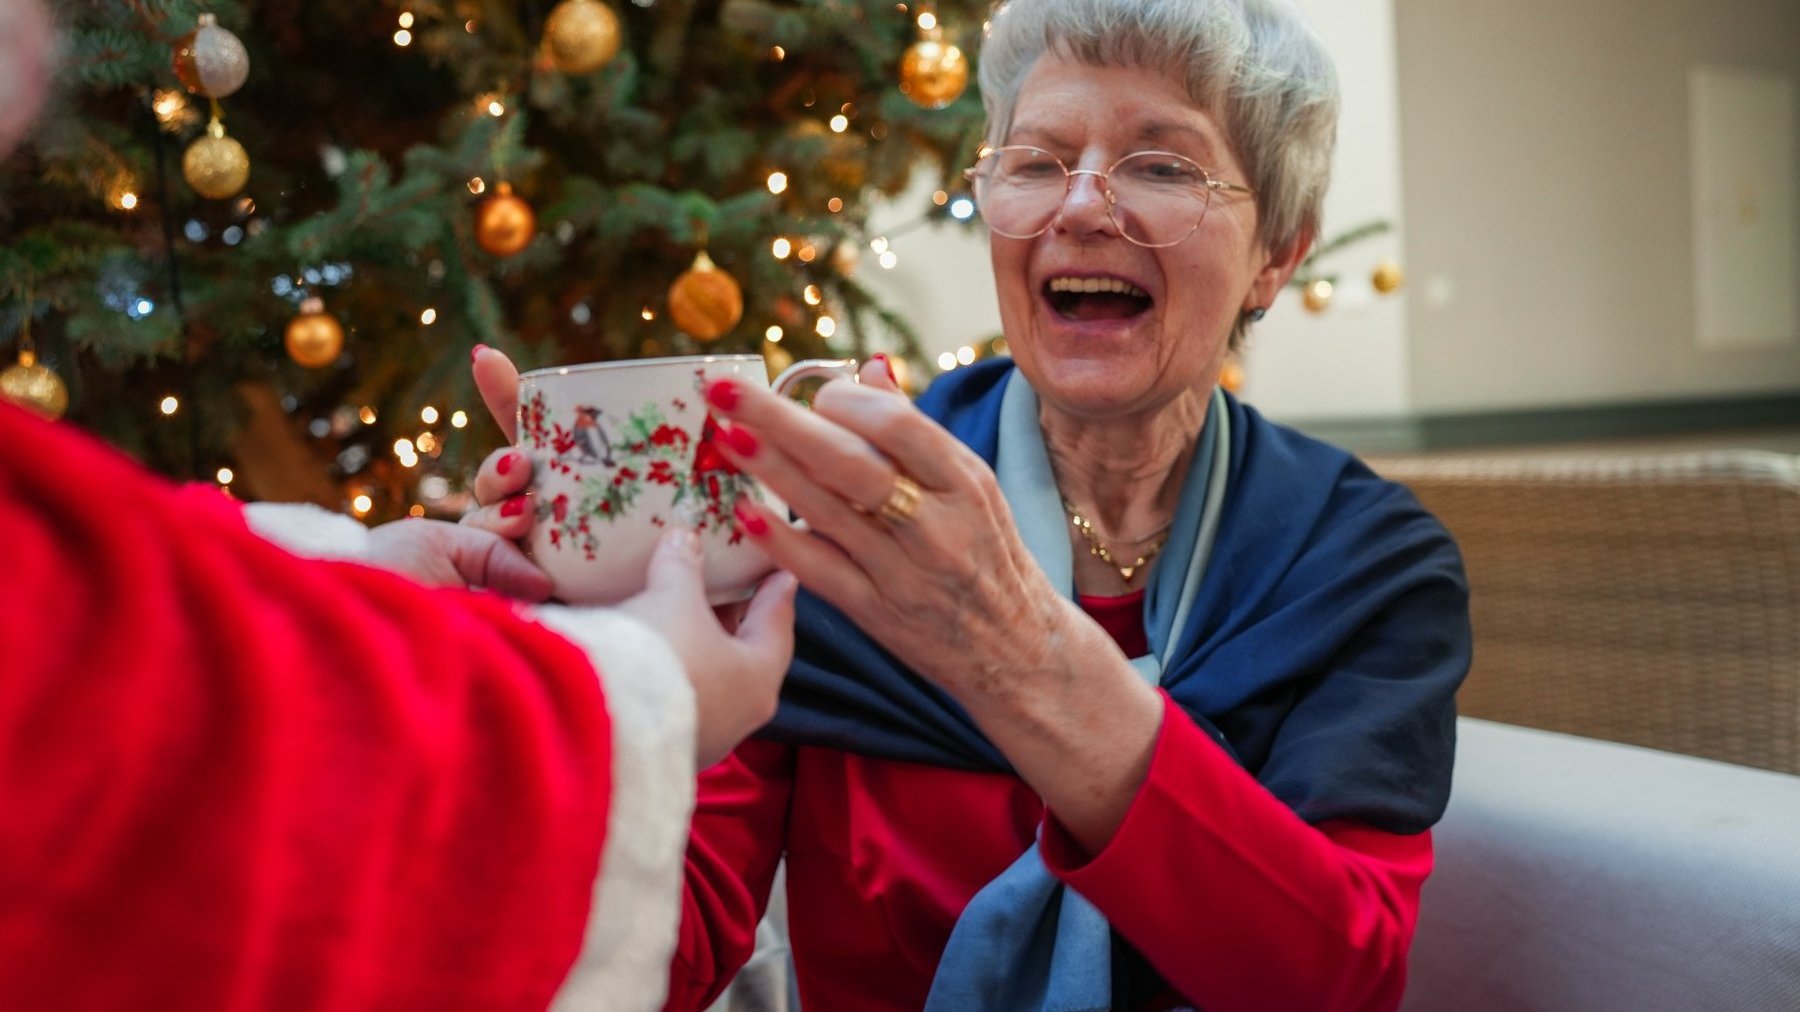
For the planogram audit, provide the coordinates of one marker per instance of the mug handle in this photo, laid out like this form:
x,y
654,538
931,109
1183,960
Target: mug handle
x,y
809,368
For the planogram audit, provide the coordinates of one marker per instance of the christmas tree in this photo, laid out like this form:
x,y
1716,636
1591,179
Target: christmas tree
x,y
255,242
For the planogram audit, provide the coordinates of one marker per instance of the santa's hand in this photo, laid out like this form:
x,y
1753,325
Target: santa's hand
x,y
736,674
440,554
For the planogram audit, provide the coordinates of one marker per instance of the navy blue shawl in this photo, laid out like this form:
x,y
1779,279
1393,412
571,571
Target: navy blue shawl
x,y
1324,650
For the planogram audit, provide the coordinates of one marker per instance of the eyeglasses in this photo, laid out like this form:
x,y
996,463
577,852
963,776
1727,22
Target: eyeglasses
x,y
1154,198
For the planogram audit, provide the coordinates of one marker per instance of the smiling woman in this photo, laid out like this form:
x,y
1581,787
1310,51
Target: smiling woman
x,y
1109,693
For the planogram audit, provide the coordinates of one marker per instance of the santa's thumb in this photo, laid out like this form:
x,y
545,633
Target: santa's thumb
x,y
675,578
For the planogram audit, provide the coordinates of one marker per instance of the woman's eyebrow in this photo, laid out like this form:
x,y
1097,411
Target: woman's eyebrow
x,y
1162,130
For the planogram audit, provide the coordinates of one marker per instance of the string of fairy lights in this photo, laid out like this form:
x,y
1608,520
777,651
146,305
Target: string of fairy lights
x,y
580,36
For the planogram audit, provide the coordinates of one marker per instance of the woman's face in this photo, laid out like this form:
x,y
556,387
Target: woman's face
x,y
1113,355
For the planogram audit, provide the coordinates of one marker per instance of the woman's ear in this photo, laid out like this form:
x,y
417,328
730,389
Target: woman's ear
x,y
1281,265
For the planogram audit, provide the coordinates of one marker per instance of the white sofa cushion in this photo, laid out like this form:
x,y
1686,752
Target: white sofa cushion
x,y
1585,875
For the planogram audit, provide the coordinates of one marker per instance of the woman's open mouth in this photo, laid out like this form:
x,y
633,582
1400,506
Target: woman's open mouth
x,y
1096,298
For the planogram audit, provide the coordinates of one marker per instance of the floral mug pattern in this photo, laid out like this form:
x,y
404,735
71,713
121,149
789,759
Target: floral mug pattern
x,y
623,450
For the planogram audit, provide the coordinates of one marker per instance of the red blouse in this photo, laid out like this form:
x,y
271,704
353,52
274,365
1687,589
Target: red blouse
x,y
1234,901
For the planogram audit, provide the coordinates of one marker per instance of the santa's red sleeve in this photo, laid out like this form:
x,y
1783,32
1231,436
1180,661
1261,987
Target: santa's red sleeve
x,y
235,778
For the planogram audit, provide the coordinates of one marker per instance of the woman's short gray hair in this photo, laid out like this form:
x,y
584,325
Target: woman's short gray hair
x,y
1255,64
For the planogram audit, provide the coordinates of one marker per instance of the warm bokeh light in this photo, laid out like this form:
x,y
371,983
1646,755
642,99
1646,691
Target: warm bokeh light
x,y
428,415
169,405
778,182
428,317
774,335
225,476
459,420
781,248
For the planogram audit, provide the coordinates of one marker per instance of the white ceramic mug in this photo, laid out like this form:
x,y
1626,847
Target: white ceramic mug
x,y
621,451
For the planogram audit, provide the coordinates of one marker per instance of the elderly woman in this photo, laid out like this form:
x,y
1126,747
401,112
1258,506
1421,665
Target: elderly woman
x,y
1109,693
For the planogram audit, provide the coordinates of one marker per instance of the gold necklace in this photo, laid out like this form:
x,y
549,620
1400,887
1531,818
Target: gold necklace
x,y
1098,549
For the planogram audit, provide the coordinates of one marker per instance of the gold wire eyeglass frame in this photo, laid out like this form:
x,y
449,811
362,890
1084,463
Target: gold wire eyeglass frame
x,y
977,181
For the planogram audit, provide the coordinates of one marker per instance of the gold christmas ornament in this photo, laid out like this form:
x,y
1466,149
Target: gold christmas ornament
x,y
211,61
314,338
34,387
1317,295
1387,278
933,73
215,165
705,302
581,36
504,222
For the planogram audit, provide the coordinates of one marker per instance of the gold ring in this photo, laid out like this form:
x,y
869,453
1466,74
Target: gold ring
x,y
901,502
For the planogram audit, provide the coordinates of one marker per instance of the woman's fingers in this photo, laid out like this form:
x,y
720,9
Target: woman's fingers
x,y
916,446
505,473
878,373
498,381
825,452
500,485
818,563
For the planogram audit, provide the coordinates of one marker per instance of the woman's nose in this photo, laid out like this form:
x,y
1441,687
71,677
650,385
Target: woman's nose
x,y
1085,208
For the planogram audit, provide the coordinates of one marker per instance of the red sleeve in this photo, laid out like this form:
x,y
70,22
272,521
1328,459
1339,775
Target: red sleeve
x,y
232,778
740,821
1236,901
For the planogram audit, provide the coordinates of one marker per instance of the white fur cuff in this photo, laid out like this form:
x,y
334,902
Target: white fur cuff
x,y
308,530
624,962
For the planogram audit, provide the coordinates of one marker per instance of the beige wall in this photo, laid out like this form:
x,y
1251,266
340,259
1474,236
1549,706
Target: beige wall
x,y
1547,200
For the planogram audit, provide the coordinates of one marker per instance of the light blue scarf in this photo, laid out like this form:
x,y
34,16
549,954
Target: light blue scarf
x,y
1026,942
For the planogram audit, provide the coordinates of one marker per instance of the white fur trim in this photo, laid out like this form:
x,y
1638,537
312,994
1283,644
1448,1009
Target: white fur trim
x,y
624,962
308,530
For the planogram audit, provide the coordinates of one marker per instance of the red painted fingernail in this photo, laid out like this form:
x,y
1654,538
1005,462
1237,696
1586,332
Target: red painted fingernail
x,y
505,463
722,394
475,352
753,524
881,357
513,507
740,440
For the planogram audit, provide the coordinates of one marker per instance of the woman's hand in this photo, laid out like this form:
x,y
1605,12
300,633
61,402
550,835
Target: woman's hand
x,y
908,534
951,588
736,672
502,479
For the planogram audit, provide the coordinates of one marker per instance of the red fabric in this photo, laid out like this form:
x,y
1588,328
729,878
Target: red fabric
x,y
1234,900
1123,619
233,779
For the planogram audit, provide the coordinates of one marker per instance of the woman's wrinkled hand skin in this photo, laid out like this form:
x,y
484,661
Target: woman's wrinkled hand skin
x,y
951,590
